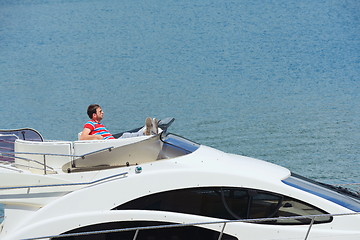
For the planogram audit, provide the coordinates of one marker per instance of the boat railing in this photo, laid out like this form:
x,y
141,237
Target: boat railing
x,y
43,164
221,233
97,181
124,174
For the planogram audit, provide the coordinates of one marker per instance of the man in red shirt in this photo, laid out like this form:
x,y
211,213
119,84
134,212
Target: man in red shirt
x,y
94,130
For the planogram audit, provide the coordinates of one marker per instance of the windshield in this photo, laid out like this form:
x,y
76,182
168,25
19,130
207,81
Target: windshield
x,y
339,196
180,143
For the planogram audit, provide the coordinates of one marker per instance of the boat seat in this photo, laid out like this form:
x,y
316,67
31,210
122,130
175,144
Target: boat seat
x,y
125,151
26,159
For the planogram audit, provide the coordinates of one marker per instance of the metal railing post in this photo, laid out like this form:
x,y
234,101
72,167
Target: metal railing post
x,y
308,231
44,164
136,233
222,231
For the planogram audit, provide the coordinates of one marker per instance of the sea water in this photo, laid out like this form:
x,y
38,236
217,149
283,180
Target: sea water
x,y
275,80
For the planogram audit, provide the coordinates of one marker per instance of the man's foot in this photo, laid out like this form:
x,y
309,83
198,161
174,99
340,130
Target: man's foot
x,y
154,129
148,126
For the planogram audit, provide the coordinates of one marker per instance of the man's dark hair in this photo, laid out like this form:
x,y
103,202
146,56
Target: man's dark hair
x,y
92,109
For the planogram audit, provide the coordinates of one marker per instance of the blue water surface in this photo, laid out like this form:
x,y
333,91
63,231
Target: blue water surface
x,y
275,80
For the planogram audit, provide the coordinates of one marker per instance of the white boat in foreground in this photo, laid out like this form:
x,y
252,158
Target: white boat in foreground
x,y
74,189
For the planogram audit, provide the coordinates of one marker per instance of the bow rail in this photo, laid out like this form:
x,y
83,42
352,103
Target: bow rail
x,y
224,223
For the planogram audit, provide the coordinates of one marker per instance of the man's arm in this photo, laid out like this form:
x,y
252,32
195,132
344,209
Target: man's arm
x,y
85,135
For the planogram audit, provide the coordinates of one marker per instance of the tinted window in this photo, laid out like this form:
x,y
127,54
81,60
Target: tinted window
x,y
264,205
228,203
236,202
198,201
291,207
174,233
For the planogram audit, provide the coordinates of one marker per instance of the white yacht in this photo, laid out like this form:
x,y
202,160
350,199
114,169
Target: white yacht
x,y
96,189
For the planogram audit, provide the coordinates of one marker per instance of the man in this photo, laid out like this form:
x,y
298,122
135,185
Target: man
x,y
94,130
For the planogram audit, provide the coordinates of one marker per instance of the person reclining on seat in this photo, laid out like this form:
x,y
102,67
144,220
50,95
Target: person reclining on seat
x,y
94,130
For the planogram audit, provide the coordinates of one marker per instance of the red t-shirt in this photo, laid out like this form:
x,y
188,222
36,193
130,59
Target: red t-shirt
x,y
97,128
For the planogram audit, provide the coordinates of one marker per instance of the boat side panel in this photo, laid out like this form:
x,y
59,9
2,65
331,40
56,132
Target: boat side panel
x,y
37,162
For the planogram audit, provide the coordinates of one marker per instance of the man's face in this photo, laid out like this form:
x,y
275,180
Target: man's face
x,y
99,114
